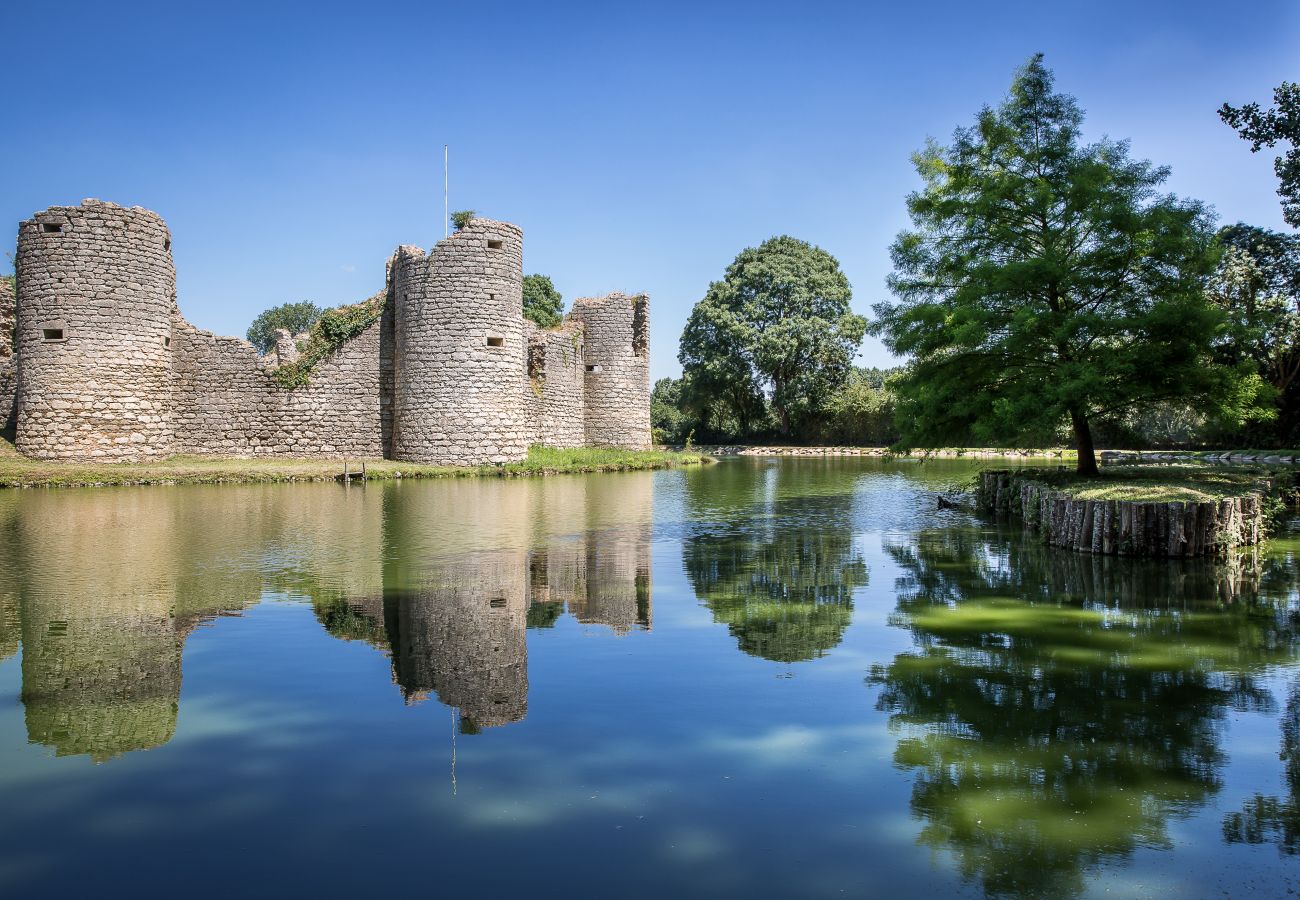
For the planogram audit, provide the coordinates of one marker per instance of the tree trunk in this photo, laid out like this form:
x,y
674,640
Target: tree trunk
x,y
1087,464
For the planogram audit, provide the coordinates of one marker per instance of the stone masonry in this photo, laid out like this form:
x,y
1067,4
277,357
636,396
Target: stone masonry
x,y
617,362
109,370
96,290
8,373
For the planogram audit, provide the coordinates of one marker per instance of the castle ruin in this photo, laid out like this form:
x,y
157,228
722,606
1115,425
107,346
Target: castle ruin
x,y
449,372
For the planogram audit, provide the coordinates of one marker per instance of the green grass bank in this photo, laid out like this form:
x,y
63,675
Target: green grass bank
x,y
17,471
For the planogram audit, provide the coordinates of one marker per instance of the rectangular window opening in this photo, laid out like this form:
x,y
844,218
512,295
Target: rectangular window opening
x,y
51,227
494,245
167,245
497,603
167,342
494,341
52,334
593,368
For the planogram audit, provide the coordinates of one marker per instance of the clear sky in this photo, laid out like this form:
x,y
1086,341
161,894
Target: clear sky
x,y
640,146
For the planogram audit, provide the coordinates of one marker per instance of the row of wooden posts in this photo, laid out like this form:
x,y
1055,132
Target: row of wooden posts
x,y
1127,527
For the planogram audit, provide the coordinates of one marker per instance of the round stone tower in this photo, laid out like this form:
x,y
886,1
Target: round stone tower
x,y
459,367
616,357
96,287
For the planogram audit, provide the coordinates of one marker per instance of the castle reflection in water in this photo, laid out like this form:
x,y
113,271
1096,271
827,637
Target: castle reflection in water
x,y
102,588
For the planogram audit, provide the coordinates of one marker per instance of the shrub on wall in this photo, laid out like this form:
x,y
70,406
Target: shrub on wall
x,y
543,304
331,331
292,317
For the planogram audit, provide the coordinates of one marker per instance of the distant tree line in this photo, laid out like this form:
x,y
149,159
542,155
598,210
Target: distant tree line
x,y
857,412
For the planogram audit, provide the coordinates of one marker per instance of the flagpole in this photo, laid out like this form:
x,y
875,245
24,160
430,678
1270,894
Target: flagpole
x,y
446,213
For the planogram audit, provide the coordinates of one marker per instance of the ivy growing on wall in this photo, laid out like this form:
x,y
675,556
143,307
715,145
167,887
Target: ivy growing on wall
x,y
332,330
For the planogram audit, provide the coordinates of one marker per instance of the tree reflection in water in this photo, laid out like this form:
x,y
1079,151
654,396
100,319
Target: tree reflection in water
x,y
1264,818
1058,709
772,556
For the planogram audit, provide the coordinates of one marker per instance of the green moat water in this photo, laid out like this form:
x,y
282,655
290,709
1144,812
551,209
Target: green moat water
x,y
760,678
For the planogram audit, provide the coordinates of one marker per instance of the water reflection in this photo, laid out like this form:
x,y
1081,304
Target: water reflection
x,y
773,556
102,588
1268,818
1059,709
101,643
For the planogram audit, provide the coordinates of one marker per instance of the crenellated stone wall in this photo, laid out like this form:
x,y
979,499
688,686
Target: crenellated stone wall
x,y
109,370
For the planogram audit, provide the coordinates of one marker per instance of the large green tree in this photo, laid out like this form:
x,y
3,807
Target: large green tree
x,y
777,325
1267,128
1047,281
543,304
292,317
1257,284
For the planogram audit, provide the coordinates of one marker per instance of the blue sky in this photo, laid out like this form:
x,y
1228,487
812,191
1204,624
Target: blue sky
x,y
640,146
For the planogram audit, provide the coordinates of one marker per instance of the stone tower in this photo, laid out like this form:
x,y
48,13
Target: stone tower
x,y
459,362
94,333
617,361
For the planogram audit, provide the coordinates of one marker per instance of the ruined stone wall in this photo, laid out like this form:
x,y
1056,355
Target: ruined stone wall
x,y
459,383
227,402
8,318
617,370
556,399
97,289
109,370
8,368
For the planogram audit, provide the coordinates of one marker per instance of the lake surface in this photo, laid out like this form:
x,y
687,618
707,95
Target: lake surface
x,y
762,678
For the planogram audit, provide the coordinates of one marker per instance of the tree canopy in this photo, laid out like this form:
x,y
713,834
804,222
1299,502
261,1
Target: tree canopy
x,y
778,327
1267,128
543,304
1257,285
1047,281
292,317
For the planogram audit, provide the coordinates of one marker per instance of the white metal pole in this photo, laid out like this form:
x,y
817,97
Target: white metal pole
x,y
446,212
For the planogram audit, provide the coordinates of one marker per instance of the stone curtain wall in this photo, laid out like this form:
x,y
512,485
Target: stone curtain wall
x,y
617,370
97,289
226,401
458,395
109,370
8,370
8,319
556,398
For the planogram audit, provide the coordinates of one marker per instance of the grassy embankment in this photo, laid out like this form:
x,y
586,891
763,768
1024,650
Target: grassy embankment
x,y
19,471
1152,484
